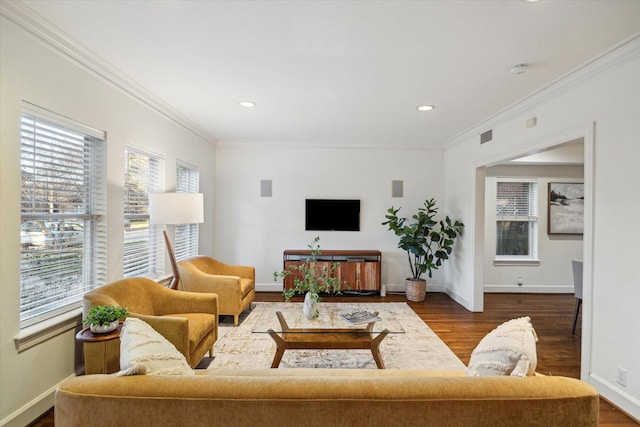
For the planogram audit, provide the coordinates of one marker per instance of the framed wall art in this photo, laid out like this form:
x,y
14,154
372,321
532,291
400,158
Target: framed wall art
x,y
566,208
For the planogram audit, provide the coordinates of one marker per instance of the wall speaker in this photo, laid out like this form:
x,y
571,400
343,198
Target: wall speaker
x,y
265,188
396,188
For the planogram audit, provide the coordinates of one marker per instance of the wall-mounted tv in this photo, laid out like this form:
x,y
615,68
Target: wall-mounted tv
x,y
332,215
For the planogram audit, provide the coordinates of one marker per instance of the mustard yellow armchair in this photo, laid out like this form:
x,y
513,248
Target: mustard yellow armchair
x,y
234,284
188,320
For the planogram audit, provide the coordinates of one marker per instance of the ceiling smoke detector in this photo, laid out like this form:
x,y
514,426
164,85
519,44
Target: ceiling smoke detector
x,y
519,69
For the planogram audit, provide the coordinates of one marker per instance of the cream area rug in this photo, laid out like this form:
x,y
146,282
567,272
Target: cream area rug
x,y
418,348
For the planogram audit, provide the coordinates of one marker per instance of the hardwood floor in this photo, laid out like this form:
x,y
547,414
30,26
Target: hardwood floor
x,y
552,316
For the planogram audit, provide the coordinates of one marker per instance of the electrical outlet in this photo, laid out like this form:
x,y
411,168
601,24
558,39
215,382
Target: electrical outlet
x,y
621,376
520,281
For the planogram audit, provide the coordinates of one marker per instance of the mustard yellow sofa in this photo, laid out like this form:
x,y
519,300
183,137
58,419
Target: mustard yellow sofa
x,y
235,285
325,397
188,320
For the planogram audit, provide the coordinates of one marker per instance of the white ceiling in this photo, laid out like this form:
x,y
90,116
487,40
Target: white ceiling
x,y
341,72
569,153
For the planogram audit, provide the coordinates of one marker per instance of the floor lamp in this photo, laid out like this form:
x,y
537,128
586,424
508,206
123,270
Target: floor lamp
x,y
175,208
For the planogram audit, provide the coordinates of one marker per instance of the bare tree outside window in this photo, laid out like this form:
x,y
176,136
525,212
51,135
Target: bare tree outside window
x,y
143,251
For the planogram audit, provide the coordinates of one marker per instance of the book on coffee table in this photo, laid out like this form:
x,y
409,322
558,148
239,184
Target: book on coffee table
x,y
360,317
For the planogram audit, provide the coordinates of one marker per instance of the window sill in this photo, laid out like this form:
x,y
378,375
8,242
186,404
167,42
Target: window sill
x,y
44,331
522,262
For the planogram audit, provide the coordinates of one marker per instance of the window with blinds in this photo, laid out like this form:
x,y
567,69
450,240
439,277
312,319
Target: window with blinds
x,y
143,251
63,207
186,240
516,218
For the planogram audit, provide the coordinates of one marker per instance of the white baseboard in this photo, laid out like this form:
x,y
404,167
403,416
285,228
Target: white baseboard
x,y
528,289
35,408
394,288
458,298
268,287
400,287
31,411
612,393
438,287
391,287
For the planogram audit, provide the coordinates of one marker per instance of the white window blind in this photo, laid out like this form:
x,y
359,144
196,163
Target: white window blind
x,y
63,207
143,244
186,241
516,218
517,201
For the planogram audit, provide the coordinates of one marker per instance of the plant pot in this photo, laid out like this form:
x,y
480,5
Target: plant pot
x,y
103,329
416,289
310,307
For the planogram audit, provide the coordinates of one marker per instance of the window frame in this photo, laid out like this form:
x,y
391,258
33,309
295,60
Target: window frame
x,y
63,180
186,238
136,210
531,217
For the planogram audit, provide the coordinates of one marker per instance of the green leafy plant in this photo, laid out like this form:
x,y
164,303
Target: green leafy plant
x,y
427,242
309,276
102,315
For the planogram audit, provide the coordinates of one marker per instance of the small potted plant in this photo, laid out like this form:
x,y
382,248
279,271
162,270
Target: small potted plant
x,y
311,280
104,318
428,243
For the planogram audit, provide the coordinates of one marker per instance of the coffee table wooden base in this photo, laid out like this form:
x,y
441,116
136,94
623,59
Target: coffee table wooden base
x,y
326,339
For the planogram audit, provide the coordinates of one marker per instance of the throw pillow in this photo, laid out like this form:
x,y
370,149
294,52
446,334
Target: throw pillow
x,y
144,351
510,349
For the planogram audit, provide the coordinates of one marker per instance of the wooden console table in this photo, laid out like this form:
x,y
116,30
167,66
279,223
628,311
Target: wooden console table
x,y
359,270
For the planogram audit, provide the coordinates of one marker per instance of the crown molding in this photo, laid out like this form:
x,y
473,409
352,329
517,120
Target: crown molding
x,y
36,25
618,54
332,145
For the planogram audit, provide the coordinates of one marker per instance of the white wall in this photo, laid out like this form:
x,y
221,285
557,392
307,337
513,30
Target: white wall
x,y
553,274
600,102
256,230
32,71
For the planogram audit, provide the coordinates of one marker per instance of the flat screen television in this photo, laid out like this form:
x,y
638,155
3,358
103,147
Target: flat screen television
x,y
332,215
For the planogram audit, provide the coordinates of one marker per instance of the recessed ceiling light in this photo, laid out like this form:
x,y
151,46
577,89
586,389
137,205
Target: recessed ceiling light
x,y
519,69
426,108
247,104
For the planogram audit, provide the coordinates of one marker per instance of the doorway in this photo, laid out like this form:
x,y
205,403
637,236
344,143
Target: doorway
x,y
516,203
543,149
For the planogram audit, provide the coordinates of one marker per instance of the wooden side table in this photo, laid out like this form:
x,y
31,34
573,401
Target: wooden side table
x,y
101,351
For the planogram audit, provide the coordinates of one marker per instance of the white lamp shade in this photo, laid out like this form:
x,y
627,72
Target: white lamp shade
x,y
176,208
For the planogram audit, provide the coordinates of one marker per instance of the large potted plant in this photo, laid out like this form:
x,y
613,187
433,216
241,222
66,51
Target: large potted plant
x,y
311,279
428,243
